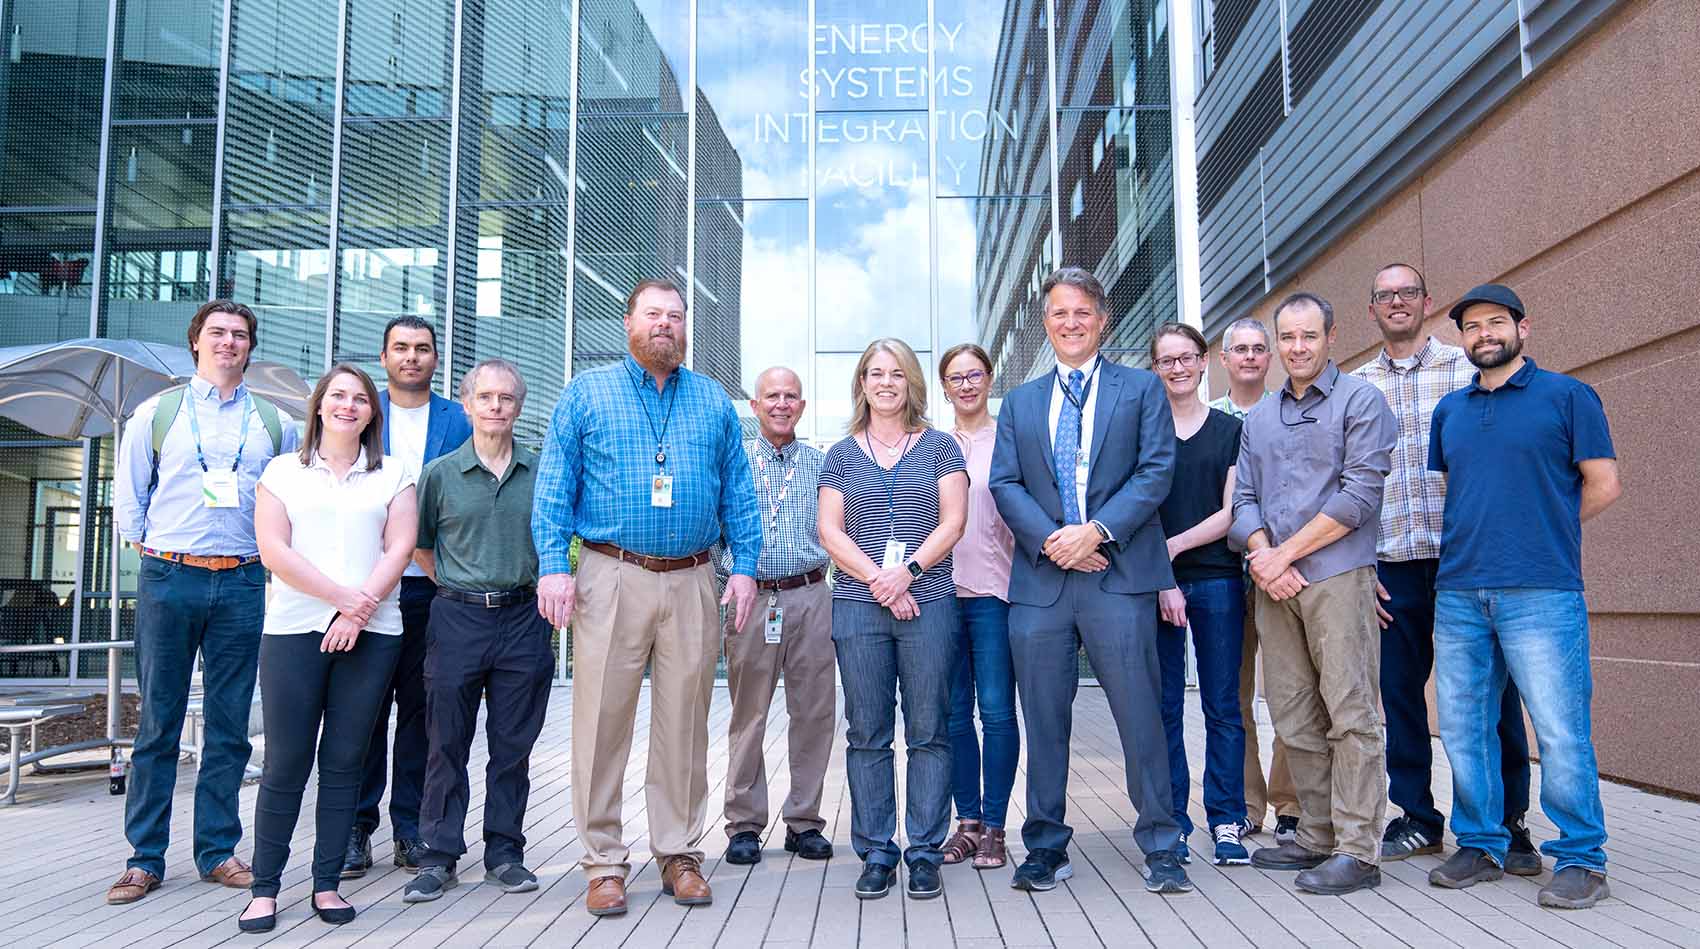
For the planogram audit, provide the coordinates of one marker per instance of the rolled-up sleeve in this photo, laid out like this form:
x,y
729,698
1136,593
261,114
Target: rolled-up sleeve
x,y
740,517
1370,432
1248,512
556,491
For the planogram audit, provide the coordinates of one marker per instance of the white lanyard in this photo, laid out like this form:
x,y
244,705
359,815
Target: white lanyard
x,y
784,486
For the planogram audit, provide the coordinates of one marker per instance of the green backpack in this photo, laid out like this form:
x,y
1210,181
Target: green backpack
x,y
171,403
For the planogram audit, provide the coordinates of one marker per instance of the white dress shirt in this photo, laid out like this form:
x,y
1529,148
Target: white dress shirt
x,y
1058,380
338,525
407,443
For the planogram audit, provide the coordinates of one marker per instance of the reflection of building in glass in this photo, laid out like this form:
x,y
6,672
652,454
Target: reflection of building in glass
x,y
1115,181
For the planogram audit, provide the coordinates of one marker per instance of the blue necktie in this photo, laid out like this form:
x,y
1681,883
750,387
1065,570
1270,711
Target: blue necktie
x,y
1067,443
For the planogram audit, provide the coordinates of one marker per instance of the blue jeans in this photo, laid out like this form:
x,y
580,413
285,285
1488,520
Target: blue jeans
x,y
182,610
983,671
1216,609
1539,639
1407,658
876,652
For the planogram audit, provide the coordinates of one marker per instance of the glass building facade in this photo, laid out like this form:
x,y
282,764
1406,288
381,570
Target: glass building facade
x,y
816,172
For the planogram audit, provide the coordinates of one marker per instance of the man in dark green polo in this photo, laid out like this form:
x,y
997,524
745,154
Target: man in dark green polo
x,y
487,639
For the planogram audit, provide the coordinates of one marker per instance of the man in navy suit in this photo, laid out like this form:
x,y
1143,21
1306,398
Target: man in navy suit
x,y
419,425
1084,455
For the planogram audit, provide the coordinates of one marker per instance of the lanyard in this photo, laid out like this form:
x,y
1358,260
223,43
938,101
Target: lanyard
x,y
661,436
890,479
1080,404
784,486
195,427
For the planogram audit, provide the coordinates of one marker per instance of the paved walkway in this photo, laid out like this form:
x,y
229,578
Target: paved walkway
x,y
64,845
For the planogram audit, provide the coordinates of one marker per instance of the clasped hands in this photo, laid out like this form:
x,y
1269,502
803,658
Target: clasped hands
x,y
354,610
1273,571
1075,547
890,588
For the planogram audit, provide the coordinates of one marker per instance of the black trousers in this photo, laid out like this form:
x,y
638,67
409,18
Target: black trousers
x,y
500,656
407,690
320,702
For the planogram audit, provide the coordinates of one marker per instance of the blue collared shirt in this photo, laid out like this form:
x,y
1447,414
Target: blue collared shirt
x,y
599,462
787,485
172,516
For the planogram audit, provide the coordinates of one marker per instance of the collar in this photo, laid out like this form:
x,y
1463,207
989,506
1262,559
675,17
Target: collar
x,y
1519,379
1323,383
358,466
1091,366
641,375
466,456
765,447
206,390
1423,355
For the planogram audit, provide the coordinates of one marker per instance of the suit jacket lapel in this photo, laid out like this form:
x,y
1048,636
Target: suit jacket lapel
x,y
433,431
384,406
1109,390
1042,412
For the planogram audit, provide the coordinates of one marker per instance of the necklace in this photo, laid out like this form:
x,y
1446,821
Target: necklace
x,y
890,450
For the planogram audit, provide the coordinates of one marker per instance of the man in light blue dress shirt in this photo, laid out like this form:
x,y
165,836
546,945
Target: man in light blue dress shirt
x,y
189,510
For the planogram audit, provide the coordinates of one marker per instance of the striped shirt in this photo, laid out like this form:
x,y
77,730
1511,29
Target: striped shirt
x,y
1414,501
902,503
599,459
788,497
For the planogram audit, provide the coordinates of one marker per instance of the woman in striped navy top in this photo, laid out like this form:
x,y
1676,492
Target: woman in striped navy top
x,y
893,502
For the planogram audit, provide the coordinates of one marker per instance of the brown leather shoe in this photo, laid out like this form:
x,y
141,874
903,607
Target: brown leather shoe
x,y
607,897
132,886
232,873
681,878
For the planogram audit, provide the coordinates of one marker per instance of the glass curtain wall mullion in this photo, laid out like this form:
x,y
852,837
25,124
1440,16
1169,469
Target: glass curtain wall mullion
x,y
215,260
935,388
97,291
691,184
572,193
453,247
338,103
1056,159
813,317
1183,72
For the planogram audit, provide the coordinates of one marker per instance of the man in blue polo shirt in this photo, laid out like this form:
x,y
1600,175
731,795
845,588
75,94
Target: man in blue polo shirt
x,y
1528,457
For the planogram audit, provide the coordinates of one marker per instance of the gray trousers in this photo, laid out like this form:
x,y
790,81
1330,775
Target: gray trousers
x,y
1120,635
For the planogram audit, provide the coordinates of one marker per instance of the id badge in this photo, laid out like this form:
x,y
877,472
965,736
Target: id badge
x,y
661,491
775,625
1080,468
218,489
894,551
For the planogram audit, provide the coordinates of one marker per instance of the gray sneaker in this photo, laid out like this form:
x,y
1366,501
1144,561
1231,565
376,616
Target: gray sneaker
x,y
511,878
1575,888
429,885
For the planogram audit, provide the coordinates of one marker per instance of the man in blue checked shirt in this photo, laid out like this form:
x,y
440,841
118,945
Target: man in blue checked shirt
x,y
644,462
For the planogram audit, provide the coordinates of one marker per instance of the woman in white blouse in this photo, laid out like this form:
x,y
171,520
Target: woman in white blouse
x,y
336,526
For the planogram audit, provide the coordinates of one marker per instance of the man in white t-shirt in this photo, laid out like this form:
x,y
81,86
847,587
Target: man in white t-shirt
x,y
419,425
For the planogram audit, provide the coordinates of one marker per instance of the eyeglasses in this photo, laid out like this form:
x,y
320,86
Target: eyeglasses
x,y
1407,294
1243,350
972,377
1185,361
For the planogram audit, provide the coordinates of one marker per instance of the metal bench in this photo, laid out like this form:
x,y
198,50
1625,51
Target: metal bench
x,y
15,719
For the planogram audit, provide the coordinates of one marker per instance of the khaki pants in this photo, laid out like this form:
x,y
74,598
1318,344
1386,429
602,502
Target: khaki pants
x,y
1278,792
626,617
805,654
1321,662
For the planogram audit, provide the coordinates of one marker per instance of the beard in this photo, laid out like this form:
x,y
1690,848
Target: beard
x,y
1508,350
658,352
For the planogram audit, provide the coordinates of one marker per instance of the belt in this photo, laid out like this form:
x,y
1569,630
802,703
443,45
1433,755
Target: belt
x,y
492,599
196,560
653,564
791,583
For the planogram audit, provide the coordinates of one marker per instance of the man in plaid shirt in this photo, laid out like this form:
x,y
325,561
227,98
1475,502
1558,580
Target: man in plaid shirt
x,y
1414,371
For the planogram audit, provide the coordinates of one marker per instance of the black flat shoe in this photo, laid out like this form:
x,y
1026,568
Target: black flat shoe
x,y
334,915
258,924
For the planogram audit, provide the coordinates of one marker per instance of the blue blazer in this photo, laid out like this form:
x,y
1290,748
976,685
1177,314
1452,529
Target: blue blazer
x,y
446,428
1131,463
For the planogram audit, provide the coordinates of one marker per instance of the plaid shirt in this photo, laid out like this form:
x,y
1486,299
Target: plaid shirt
x,y
1414,500
599,458
790,541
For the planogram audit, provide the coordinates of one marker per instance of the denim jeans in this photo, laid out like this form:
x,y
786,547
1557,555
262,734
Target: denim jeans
x,y
1407,658
1539,639
1216,609
983,675
182,610
876,653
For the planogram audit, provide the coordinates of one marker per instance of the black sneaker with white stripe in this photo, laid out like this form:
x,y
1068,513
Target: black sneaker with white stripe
x,y
1405,839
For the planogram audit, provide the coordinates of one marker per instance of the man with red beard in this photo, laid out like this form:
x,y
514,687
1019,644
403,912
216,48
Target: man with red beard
x,y
644,462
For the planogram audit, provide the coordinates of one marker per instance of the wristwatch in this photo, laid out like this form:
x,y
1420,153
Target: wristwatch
x,y
1103,532
915,569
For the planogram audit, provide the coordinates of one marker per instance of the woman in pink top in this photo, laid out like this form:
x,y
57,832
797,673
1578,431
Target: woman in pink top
x,y
981,776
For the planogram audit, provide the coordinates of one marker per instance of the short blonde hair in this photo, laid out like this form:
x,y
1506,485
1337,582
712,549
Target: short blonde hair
x,y
915,407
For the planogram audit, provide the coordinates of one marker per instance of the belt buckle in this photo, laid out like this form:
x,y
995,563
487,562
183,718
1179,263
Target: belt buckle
x,y
487,604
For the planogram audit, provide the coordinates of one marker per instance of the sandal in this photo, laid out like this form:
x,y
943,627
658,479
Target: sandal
x,y
964,843
991,854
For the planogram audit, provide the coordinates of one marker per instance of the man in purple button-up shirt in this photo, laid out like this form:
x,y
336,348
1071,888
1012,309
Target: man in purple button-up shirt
x,y
1307,501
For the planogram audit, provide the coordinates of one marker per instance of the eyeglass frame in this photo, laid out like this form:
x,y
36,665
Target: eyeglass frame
x,y
1193,359
1249,349
956,381
1406,294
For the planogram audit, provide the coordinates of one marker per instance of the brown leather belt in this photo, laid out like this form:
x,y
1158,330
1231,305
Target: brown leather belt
x,y
652,564
791,583
196,560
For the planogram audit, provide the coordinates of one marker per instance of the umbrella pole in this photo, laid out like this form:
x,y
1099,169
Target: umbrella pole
x,y
114,681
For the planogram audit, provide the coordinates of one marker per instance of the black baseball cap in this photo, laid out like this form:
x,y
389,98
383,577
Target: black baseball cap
x,y
1489,293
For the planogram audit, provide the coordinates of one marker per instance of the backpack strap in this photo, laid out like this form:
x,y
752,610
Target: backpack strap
x,y
273,422
171,403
